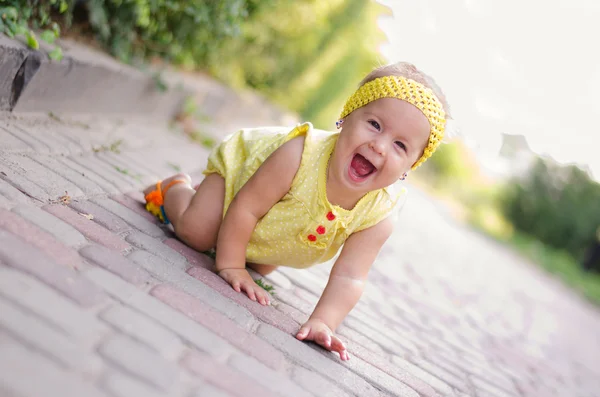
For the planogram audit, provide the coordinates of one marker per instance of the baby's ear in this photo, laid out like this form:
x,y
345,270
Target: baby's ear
x,y
452,131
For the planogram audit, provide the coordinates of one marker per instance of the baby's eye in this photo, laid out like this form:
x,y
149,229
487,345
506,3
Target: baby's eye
x,y
375,124
401,145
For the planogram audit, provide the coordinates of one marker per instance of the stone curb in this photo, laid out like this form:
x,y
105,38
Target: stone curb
x,y
83,82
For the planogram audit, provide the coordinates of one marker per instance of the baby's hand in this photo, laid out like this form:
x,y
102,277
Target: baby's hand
x,y
241,280
317,331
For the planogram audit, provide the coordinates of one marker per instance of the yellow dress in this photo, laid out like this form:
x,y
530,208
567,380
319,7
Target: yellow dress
x,y
303,228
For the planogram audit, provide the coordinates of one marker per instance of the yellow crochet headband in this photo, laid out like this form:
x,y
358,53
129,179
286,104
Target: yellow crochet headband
x,y
407,90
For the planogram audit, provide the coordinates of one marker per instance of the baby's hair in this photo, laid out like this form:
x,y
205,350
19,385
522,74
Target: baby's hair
x,y
409,71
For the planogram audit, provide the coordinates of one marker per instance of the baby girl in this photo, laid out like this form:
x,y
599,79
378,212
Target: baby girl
x,y
298,197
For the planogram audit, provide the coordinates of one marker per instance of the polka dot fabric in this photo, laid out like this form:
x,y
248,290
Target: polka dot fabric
x,y
407,90
303,228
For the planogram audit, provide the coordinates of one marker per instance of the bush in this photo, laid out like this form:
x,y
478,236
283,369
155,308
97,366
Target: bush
x,y
20,17
184,32
558,205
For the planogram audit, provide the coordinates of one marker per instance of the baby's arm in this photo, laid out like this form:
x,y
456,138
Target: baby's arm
x,y
345,286
263,190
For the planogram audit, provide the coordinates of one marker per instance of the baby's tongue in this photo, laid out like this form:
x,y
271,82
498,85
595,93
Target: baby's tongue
x,y
361,165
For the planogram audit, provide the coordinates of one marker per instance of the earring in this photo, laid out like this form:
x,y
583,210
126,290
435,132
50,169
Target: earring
x,y
339,123
403,177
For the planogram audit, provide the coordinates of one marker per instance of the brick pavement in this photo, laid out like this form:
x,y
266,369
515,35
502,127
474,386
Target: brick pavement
x,y
98,299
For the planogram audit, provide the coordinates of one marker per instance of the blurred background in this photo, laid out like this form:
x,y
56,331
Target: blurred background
x,y
522,78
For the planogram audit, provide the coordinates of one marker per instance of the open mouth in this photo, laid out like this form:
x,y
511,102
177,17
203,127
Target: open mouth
x,y
360,168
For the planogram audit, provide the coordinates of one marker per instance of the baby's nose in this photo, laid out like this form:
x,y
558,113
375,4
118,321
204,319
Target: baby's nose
x,y
377,147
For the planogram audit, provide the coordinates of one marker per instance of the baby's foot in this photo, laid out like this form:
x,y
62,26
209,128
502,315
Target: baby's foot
x,y
165,182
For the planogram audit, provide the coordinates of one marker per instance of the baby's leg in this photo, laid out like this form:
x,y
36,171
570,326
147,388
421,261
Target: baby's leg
x,y
196,214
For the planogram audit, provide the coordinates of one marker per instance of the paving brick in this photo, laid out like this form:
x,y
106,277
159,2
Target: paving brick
x,y
381,336
101,216
120,385
139,207
76,176
430,379
277,382
49,135
90,163
289,298
180,324
130,217
87,227
34,144
53,184
130,168
220,325
479,369
291,312
353,328
43,337
79,325
383,380
5,203
485,389
25,186
51,224
360,339
279,280
378,369
140,361
18,254
316,384
12,194
39,239
304,279
117,264
194,257
168,272
223,377
267,314
49,379
106,185
208,390
145,330
10,143
302,353
156,247
454,380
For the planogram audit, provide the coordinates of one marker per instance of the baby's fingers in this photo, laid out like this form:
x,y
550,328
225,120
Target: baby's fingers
x,y
338,346
323,338
262,296
303,333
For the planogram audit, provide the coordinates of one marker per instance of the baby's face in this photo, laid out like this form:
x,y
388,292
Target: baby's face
x,y
378,143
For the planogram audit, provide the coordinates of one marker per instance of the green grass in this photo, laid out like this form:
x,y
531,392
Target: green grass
x,y
203,139
559,263
267,287
484,216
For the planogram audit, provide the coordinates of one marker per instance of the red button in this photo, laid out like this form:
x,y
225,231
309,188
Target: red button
x,y
312,237
330,216
321,230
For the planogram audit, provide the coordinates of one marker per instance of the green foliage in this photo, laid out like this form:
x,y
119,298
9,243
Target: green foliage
x,y
558,205
305,55
267,287
23,17
451,163
190,33
559,263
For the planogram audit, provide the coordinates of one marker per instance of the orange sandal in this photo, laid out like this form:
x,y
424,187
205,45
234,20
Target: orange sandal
x,y
155,200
